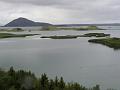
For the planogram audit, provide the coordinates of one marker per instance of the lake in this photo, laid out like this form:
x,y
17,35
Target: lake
x,y
74,59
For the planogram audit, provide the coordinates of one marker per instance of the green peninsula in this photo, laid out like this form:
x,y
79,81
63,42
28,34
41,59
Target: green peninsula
x,y
110,42
10,35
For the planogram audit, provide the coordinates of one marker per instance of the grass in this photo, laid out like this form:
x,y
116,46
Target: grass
x,y
12,30
52,28
83,28
10,35
49,28
75,36
16,30
95,35
61,37
110,42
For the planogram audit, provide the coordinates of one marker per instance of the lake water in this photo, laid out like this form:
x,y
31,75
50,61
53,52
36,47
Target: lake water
x,y
74,59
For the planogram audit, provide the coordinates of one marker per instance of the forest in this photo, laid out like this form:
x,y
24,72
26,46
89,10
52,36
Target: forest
x,y
26,80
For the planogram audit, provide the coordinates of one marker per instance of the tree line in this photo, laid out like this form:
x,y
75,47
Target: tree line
x,y
25,80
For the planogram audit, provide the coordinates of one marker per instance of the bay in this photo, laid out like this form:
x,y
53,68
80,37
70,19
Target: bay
x,y
74,59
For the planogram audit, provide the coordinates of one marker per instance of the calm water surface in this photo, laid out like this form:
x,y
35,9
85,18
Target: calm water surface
x,y
74,59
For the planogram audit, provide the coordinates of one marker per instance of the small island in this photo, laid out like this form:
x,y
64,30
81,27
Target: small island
x,y
61,37
12,30
52,28
10,35
110,42
16,30
83,28
76,36
96,35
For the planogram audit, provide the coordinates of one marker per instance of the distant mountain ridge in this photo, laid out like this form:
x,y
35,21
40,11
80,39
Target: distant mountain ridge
x,y
23,22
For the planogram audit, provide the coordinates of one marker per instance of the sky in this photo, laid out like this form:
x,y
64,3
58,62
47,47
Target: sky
x,y
61,11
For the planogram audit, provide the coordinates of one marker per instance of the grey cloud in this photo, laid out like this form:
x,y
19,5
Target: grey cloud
x,y
68,4
63,11
72,4
35,2
62,3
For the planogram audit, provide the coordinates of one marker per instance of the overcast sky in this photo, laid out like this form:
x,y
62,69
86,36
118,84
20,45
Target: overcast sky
x,y
61,11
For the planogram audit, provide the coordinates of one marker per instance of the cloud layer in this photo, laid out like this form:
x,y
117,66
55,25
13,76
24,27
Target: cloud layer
x,y
61,11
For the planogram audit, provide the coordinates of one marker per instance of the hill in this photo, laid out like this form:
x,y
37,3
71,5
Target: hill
x,y
23,22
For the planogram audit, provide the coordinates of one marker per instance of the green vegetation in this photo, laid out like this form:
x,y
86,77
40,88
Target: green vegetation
x,y
12,30
94,28
9,35
16,30
110,42
50,28
95,35
61,37
23,80
83,28
75,36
